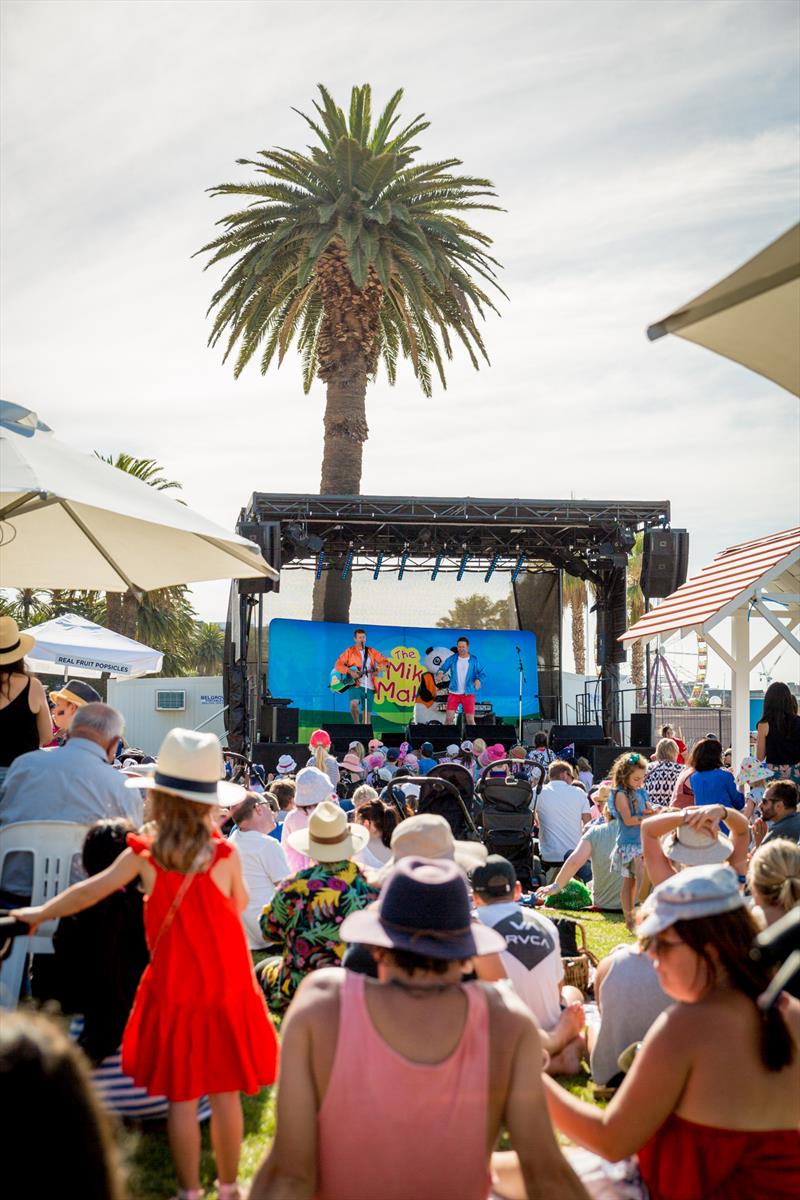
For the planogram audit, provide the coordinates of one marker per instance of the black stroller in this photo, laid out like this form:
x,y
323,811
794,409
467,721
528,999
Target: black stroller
x,y
506,816
448,791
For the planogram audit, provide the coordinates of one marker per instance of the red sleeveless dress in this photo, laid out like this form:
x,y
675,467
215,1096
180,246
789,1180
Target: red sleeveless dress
x,y
199,1023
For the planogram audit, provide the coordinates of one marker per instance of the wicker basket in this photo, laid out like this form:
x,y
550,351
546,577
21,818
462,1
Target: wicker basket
x,y
576,967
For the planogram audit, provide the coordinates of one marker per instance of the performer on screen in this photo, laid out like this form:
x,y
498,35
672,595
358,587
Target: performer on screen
x,y
466,674
361,663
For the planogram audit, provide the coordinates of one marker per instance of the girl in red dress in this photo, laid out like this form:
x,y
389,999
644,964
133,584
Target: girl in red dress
x,y
199,1023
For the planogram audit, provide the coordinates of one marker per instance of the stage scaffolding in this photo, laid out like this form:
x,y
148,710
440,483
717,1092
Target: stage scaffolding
x,y
533,541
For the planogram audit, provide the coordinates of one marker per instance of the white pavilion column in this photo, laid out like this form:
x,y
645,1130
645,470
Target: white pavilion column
x,y
740,686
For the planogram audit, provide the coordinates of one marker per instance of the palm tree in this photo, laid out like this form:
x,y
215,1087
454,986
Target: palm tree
x,y
208,649
636,606
477,612
573,597
360,255
163,618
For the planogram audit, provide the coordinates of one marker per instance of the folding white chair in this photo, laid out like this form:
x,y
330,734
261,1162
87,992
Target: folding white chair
x,y
52,845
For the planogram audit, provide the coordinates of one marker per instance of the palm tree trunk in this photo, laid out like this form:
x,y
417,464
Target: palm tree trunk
x,y
345,433
121,612
578,635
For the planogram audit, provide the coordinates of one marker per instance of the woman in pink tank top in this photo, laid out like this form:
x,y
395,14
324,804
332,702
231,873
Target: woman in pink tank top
x,y
395,1089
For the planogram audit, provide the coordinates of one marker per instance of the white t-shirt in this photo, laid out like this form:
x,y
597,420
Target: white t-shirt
x,y
462,666
264,865
558,812
374,854
533,958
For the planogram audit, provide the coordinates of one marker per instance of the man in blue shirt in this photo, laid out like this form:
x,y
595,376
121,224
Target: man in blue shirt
x,y
426,760
466,674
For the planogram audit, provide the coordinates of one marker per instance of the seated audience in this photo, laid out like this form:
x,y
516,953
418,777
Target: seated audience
x,y
397,1087
532,962
629,996
779,815
284,791
596,846
704,780
263,861
691,837
46,1086
308,907
380,820
320,744
73,783
774,879
585,773
662,774
561,811
694,1137
66,701
311,788
426,760
286,767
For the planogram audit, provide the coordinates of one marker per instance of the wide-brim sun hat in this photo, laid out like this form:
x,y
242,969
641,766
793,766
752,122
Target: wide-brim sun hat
x,y
13,644
428,835
752,771
424,907
78,693
352,763
689,895
692,848
189,765
312,786
329,836
286,765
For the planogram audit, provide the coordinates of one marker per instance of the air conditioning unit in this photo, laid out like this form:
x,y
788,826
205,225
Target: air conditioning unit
x,y
170,701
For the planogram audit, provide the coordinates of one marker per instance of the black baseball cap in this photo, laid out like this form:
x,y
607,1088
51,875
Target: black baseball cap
x,y
495,877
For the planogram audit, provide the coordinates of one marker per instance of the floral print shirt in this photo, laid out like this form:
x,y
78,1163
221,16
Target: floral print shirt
x,y
304,916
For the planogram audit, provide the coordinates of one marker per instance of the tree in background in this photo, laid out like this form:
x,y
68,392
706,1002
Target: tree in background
x,y
478,612
362,257
574,596
636,605
208,649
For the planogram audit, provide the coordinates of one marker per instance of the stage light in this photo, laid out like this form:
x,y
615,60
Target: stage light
x,y
378,565
320,561
518,568
403,561
492,566
437,565
348,564
462,567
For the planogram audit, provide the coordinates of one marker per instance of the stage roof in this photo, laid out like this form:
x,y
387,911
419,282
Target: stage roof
x,y
581,536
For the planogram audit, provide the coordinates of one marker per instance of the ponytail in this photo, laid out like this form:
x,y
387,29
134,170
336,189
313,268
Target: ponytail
x,y
321,758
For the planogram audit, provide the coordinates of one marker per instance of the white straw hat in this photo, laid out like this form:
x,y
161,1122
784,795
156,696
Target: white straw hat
x,y
13,644
329,837
695,848
286,765
189,765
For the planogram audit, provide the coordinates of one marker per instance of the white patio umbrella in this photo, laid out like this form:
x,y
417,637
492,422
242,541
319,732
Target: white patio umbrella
x,y
70,644
69,520
751,316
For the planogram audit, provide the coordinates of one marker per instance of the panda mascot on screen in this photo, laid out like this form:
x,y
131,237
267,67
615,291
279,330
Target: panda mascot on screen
x,y
432,696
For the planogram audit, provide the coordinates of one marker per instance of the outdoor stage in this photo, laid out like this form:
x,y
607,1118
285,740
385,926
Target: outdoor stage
x,y
531,541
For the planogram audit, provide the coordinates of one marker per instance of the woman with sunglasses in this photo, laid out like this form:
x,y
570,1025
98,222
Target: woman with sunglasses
x,y
700,1130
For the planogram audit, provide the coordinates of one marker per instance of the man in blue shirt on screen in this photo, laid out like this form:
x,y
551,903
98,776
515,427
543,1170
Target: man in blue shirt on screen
x,y
466,674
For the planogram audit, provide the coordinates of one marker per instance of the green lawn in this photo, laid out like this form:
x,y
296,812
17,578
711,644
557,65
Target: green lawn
x,y
146,1154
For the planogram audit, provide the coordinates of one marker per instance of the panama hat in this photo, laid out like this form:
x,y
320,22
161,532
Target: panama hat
x,y
428,835
694,848
329,836
285,765
691,894
77,692
189,765
424,907
13,644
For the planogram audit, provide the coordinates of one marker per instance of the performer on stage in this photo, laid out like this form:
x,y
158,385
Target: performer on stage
x,y
466,674
361,663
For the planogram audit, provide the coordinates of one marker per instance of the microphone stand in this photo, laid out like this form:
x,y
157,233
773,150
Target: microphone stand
x,y
522,680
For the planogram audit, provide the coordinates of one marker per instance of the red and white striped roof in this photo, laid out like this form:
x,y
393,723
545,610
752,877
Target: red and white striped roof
x,y
732,579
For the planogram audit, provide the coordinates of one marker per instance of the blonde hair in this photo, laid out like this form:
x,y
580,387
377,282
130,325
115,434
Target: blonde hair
x,y
775,873
666,750
358,749
363,794
583,764
182,831
320,758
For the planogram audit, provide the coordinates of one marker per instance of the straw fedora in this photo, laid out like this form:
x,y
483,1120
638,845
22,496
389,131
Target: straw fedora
x,y
329,837
428,835
189,765
13,644
424,907
78,693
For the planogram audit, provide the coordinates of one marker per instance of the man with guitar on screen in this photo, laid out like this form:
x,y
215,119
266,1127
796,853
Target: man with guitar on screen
x,y
357,666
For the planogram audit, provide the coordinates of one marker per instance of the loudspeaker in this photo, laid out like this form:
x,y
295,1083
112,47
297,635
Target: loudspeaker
x,y
506,735
601,757
587,735
268,753
267,536
665,560
641,729
279,723
344,732
439,736
612,617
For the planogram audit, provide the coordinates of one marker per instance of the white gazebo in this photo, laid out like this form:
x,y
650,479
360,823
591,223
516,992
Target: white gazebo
x,y
755,581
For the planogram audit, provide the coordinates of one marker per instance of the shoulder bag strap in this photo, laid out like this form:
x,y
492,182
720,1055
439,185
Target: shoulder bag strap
x,y
177,900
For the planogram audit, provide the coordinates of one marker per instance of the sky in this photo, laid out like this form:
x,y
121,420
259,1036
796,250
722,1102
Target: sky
x,y
641,151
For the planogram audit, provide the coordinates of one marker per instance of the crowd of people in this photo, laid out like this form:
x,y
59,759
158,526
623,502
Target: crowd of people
x,y
416,980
